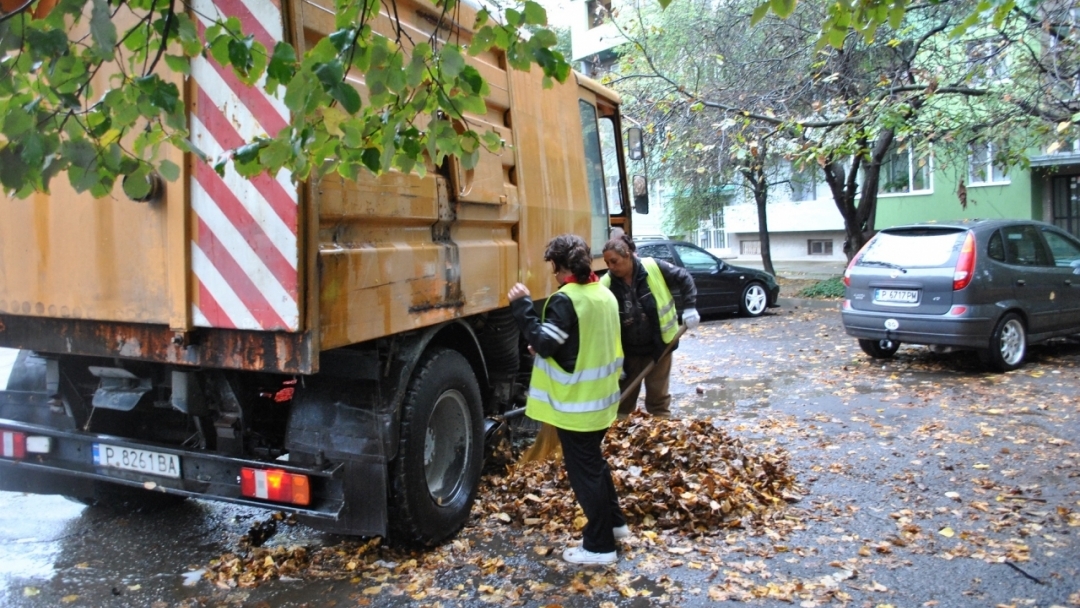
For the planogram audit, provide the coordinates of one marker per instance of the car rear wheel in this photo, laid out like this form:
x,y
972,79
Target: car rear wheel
x,y
1008,344
879,349
754,300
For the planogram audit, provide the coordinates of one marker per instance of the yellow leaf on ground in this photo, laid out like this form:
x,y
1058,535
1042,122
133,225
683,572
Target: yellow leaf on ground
x,y
947,532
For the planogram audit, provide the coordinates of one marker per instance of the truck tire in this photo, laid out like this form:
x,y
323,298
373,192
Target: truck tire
x,y
434,478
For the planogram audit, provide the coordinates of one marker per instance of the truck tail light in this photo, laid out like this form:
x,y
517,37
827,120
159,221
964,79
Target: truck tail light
x,y
275,485
13,445
965,264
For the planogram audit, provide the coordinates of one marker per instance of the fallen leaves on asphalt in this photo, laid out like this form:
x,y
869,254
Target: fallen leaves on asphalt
x,y
677,480
923,465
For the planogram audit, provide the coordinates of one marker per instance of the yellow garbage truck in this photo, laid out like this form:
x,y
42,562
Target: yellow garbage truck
x,y
333,348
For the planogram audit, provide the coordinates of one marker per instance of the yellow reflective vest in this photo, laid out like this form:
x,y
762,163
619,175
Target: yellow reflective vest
x,y
586,399
665,304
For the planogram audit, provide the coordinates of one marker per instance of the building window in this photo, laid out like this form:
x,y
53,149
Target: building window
x,y
819,247
711,234
905,173
1066,193
982,170
804,183
599,12
750,247
987,62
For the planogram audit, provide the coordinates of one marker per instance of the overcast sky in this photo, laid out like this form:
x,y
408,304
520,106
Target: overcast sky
x,y
557,12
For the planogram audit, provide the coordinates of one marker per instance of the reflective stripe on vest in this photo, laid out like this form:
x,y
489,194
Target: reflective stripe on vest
x,y
575,407
665,304
587,398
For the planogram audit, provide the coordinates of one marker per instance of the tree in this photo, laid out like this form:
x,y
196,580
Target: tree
x,y
54,119
911,89
697,77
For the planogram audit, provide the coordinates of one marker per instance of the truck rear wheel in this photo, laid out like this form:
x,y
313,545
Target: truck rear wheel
x,y
435,475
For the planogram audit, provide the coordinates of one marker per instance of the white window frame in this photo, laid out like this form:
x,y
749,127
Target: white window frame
x,y
803,183
825,245
985,164
912,168
985,55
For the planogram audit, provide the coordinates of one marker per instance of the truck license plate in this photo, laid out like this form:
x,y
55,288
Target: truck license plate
x,y
901,296
131,459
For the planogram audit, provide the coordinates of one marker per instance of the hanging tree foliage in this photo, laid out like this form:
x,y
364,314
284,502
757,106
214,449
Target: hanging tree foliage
x,y
53,119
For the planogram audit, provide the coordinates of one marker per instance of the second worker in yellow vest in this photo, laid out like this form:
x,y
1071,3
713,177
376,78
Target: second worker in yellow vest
x,y
648,319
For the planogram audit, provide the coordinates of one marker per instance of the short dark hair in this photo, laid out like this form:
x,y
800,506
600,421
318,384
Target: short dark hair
x,y
571,252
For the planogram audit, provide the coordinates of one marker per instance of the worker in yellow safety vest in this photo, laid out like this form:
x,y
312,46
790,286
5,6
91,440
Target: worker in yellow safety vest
x,y
575,386
648,319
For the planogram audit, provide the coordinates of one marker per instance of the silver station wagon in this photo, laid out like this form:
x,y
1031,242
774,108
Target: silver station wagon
x,y
996,286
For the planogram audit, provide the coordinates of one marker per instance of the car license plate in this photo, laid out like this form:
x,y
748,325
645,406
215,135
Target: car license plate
x,y
131,459
896,296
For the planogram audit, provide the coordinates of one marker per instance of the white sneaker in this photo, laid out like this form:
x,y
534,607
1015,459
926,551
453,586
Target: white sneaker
x,y
621,532
579,555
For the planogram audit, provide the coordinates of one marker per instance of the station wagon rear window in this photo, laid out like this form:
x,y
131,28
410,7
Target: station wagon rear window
x,y
921,249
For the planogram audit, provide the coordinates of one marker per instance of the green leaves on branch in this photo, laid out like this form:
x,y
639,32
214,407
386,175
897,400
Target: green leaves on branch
x,y
866,16
57,112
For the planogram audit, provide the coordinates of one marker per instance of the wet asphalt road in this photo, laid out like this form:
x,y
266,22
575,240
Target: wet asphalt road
x,y
928,482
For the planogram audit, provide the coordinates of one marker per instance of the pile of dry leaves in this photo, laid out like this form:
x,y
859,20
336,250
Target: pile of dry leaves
x,y
683,477
688,476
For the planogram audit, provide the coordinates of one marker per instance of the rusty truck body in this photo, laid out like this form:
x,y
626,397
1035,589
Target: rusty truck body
x,y
334,348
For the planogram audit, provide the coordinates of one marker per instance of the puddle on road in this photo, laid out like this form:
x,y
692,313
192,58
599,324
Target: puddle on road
x,y
744,397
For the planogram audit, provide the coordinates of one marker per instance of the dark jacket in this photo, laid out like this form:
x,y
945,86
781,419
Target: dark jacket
x,y
637,307
556,336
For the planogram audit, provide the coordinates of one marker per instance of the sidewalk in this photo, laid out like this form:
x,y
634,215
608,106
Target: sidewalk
x,y
798,269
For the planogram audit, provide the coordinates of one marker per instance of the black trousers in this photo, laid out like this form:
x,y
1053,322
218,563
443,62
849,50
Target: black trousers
x,y
590,477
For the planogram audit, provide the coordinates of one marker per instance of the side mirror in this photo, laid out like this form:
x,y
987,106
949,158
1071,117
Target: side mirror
x,y
641,195
634,144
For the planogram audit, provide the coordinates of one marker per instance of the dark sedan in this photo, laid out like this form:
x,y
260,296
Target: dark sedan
x,y
721,287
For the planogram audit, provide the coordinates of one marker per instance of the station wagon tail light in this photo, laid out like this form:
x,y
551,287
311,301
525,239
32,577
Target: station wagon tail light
x,y
965,265
12,445
847,271
275,485
854,260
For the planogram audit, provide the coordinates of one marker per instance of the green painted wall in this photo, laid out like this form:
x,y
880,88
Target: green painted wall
x,y
1019,199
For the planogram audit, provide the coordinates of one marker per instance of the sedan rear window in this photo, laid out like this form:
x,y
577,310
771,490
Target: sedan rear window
x,y
912,249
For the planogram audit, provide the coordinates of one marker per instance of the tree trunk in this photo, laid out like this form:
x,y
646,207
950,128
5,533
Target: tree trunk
x,y
858,218
761,197
754,172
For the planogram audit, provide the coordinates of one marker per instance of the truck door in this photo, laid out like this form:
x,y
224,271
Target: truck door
x,y
602,169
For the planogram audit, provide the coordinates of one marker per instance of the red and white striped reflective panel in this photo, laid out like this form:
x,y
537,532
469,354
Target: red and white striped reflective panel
x,y
243,249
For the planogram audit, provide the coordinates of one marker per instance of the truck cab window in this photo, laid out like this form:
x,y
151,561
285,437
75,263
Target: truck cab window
x,y
601,169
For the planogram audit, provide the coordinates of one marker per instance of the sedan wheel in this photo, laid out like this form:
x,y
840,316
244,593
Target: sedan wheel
x,y
754,300
1008,344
